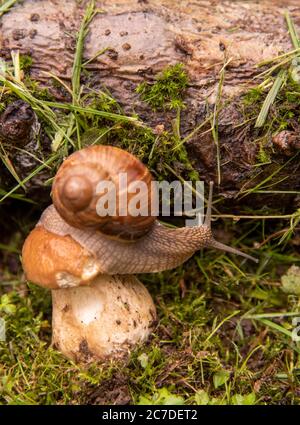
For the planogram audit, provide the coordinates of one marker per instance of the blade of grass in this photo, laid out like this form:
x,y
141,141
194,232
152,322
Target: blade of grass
x,y
268,72
214,121
253,217
90,13
8,164
99,53
270,315
15,55
194,132
275,326
32,156
66,87
92,111
279,57
269,100
9,248
39,106
269,178
221,324
292,31
35,172
6,6
18,196
294,221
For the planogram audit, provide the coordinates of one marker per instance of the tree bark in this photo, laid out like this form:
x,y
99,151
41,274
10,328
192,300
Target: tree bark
x,y
142,38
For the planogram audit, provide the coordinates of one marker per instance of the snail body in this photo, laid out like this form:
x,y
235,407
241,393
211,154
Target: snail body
x,y
159,249
152,248
107,245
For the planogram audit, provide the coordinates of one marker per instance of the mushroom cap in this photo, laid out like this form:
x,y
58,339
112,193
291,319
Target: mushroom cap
x,y
55,261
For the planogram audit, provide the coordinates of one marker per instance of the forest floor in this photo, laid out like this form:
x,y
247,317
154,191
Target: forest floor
x,y
224,335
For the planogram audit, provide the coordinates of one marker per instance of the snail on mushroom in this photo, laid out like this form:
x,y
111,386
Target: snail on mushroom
x,y
100,309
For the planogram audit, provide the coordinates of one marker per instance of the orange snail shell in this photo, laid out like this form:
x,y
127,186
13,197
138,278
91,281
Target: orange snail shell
x,y
74,191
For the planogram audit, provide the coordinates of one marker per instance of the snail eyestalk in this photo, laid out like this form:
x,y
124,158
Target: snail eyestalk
x,y
219,245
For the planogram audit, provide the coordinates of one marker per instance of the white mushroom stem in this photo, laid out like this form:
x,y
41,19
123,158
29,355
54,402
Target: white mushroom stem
x,y
104,319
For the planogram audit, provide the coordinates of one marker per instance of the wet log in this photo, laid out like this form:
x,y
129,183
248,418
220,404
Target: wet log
x,y
142,37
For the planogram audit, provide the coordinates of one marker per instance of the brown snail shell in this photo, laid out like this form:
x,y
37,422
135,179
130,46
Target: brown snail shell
x,y
75,196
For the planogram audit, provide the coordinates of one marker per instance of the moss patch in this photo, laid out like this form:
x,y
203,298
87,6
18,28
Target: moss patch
x,y
216,341
167,90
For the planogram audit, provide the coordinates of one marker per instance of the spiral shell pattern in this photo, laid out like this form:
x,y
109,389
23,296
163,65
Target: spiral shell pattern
x,y
77,192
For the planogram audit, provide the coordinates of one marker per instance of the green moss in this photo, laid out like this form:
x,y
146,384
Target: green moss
x,y
198,354
160,153
39,92
284,113
263,155
253,96
100,101
25,63
168,89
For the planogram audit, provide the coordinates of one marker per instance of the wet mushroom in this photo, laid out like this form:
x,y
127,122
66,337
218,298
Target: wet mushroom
x,y
94,315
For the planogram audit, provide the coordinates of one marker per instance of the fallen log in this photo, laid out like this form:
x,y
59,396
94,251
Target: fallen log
x,y
139,39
